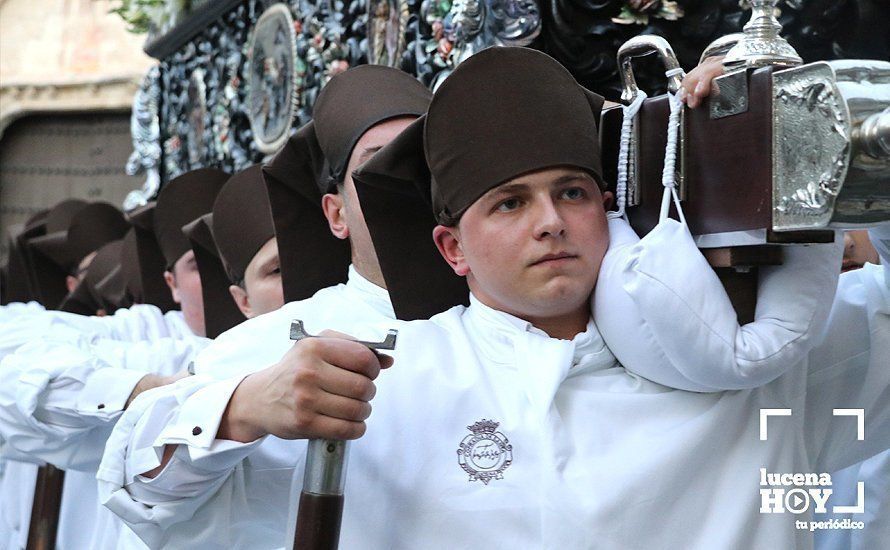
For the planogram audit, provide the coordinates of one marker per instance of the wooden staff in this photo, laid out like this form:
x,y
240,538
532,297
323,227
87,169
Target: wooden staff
x,y
45,510
320,511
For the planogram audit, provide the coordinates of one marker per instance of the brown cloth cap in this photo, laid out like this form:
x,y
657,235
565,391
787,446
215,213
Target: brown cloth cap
x,y
88,229
220,311
130,267
242,220
46,276
311,257
151,260
182,200
16,276
22,285
393,188
502,113
354,101
103,285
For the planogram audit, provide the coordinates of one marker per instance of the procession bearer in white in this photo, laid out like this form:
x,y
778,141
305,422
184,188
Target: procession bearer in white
x,y
66,387
509,423
356,114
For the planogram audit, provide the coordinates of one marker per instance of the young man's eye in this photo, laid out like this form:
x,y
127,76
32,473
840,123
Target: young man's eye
x,y
574,193
508,205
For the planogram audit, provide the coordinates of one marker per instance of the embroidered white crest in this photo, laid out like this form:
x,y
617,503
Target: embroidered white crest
x,y
485,453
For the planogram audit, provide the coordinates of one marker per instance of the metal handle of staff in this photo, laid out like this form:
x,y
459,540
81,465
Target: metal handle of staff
x,y
320,511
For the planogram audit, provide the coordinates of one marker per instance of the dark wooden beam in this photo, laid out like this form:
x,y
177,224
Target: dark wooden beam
x,y
166,44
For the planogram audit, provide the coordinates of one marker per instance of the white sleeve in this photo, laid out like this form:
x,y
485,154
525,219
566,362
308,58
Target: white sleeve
x,y
20,331
59,399
250,346
666,316
850,369
140,322
186,414
880,239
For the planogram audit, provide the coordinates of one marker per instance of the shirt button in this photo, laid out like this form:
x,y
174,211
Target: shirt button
x,y
196,430
101,406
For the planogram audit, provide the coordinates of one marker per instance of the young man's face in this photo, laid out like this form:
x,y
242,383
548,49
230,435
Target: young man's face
x,y
343,211
262,290
185,286
532,246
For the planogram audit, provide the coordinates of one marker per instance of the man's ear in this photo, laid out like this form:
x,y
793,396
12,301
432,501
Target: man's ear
x,y
170,279
608,200
447,240
333,207
71,282
241,300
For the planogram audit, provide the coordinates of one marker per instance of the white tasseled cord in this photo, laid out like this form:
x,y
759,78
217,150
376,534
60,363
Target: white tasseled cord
x,y
670,155
630,113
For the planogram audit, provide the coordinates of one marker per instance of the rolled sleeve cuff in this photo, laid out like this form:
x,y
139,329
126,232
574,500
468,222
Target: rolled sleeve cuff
x,y
200,457
106,392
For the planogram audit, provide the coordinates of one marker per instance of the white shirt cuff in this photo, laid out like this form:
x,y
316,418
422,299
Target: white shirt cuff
x,y
201,457
106,391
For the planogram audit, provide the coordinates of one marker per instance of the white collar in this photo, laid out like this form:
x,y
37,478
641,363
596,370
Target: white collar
x,y
368,293
589,348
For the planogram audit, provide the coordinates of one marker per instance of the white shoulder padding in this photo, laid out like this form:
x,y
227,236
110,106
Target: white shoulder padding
x,y
665,315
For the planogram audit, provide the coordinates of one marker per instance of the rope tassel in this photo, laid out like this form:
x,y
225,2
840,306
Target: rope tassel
x,y
627,124
668,176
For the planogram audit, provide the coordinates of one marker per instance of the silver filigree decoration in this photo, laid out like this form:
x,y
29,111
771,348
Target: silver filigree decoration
x,y
762,45
196,117
145,131
811,146
473,25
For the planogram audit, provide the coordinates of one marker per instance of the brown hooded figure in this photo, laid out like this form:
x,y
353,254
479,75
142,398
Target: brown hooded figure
x,y
349,105
130,267
311,257
183,200
147,275
47,278
102,290
242,220
91,227
476,136
180,202
22,283
70,248
220,312
19,284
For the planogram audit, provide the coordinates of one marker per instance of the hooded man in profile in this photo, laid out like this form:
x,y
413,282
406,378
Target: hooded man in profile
x,y
358,113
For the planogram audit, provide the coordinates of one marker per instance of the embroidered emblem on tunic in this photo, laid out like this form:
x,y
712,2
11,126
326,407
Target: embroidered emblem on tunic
x,y
485,453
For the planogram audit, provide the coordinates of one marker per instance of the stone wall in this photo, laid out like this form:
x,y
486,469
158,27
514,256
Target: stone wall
x,y
66,55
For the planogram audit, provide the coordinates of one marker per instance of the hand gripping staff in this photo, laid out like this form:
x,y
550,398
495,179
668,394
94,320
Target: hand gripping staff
x,y
320,510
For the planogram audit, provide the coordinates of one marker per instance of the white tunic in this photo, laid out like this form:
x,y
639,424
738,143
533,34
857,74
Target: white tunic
x,y
357,307
874,473
59,399
17,309
598,457
64,380
140,322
